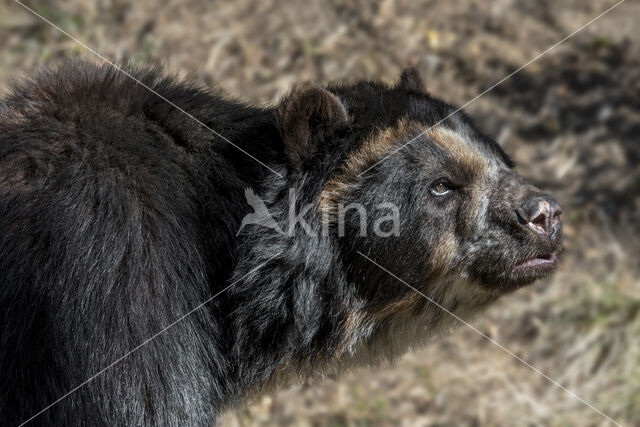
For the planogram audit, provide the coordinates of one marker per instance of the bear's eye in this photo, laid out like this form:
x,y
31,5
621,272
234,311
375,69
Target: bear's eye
x,y
440,189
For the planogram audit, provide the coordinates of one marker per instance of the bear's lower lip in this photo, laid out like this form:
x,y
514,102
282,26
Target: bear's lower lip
x,y
544,260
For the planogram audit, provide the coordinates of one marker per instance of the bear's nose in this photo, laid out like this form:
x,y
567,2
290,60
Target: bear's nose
x,y
540,213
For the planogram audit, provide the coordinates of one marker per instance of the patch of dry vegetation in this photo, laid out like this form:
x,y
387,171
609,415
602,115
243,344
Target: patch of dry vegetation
x,y
571,120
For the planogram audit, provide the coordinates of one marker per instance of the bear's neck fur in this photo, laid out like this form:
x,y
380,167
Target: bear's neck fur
x,y
295,315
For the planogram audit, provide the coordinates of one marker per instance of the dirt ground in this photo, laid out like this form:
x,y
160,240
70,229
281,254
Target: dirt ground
x,y
571,120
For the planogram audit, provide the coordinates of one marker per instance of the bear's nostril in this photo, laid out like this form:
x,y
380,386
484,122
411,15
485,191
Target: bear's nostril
x,y
540,214
540,220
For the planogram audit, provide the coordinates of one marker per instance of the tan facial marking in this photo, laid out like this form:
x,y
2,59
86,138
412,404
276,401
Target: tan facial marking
x,y
473,161
368,153
460,148
444,252
454,142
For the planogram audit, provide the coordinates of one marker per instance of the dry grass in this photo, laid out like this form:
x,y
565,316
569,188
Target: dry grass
x,y
571,121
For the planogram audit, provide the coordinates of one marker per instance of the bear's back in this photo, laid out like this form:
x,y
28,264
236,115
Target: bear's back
x,y
118,215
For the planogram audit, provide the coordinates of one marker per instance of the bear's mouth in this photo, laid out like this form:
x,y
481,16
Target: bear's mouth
x,y
538,262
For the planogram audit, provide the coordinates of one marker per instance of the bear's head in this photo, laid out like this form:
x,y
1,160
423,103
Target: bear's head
x,y
444,209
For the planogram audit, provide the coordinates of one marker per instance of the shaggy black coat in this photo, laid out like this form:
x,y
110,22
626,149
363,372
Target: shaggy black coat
x,y
118,215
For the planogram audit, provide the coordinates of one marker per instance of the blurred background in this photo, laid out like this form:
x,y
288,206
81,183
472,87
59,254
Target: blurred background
x,y
571,120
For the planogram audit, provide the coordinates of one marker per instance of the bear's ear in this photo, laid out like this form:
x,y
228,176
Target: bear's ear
x,y
306,115
411,79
